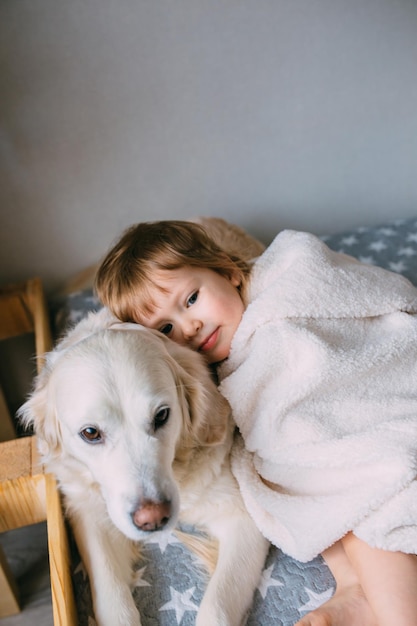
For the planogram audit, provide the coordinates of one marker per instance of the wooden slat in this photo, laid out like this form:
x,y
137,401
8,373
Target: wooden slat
x,y
23,310
37,303
63,603
22,486
18,458
15,317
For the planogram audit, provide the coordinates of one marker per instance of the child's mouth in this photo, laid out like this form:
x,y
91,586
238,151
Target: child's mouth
x,y
209,343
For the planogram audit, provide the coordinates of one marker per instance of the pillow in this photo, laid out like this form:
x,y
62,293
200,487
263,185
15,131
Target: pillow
x,y
392,245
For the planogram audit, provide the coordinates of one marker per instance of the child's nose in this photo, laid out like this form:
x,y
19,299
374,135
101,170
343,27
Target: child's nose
x,y
191,328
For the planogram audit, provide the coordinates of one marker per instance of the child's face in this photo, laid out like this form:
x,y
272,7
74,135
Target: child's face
x,y
200,308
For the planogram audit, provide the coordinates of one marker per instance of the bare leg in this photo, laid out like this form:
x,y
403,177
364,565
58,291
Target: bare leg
x,y
348,606
388,579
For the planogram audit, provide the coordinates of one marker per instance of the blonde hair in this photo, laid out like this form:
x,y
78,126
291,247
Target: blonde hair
x,y
124,279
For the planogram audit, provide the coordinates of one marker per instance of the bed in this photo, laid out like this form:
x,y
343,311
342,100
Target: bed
x,y
169,580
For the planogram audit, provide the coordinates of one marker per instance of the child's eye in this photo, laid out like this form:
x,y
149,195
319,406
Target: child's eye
x,y
192,299
166,329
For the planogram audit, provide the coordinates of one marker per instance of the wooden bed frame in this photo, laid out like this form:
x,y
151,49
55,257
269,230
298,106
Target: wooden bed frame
x,y
27,494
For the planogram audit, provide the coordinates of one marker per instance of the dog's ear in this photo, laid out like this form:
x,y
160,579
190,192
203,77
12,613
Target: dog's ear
x,y
38,412
208,410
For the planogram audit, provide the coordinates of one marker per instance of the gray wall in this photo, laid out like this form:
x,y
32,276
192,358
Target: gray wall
x,y
271,113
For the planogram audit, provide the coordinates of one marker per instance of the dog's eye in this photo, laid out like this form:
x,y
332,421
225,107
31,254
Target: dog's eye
x,y
91,434
161,417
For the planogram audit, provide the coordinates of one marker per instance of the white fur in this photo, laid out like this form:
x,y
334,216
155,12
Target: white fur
x,y
115,377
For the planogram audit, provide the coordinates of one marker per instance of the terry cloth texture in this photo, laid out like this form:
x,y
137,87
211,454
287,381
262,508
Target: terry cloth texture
x,y
322,380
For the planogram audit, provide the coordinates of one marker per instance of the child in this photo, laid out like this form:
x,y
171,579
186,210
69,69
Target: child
x,y
316,354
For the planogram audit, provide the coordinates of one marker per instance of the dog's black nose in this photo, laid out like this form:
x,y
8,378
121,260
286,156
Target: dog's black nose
x,y
151,516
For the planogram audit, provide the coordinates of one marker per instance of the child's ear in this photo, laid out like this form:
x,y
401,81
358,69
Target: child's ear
x,y
235,278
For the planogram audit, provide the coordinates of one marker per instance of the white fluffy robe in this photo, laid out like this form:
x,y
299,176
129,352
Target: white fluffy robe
x,y
322,380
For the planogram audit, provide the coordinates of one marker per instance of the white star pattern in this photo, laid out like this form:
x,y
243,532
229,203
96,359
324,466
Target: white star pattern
x,y
386,232
138,580
163,540
349,241
408,251
180,603
316,599
398,267
267,581
367,259
377,246
412,237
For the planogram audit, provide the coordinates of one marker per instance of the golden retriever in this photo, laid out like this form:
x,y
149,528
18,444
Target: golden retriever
x,y
139,438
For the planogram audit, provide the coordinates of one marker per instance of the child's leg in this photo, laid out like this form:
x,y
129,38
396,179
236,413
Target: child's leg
x,y
388,579
348,606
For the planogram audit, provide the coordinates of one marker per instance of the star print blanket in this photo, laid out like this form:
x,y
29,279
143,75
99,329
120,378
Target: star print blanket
x,y
322,382
170,584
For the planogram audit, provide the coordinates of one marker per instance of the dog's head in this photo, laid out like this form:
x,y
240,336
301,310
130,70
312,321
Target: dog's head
x,y
115,407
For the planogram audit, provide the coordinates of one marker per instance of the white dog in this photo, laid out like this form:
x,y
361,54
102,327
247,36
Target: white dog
x,y
138,436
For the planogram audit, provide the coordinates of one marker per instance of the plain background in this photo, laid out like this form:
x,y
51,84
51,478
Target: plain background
x,y
270,113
